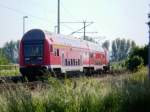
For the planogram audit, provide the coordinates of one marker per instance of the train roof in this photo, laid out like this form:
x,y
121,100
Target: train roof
x,y
68,40
73,41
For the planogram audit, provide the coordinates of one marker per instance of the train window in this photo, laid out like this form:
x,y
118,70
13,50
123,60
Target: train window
x,y
78,61
74,62
66,62
71,62
103,56
56,52
91,55
51,48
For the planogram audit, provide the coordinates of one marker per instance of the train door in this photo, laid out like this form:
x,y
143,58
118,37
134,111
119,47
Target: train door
x,y
62,59
81,60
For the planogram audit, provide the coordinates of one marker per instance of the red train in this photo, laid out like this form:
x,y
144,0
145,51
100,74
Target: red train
x,y
42,50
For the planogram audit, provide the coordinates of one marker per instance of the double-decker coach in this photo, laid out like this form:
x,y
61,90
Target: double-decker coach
x,y
41,50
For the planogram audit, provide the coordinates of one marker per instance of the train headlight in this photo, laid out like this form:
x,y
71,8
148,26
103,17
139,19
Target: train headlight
x,y
39,58
27,59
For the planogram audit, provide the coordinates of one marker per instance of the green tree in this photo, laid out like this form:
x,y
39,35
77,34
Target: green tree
x,y
141,52
106,44
121,49
10,51
3,59
134,63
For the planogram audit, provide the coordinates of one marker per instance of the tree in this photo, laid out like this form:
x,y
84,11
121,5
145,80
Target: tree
x,y
3,60
134,63
121,49
141,52
10,51
106,44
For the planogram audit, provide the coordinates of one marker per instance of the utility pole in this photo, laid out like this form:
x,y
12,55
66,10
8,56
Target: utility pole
x,y
58,18
83,28
84,24
24,17
149,48
55,29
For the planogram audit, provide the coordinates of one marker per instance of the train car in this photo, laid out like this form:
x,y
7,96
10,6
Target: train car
x,y
42,50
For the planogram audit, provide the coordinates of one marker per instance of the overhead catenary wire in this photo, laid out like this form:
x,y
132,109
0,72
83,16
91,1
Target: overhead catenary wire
x,y
81,28
23,13
68,13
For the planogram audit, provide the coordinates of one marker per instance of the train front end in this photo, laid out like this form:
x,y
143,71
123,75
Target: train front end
x,y
33,54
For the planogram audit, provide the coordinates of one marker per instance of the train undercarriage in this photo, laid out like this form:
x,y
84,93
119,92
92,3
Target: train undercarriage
x,y
38,72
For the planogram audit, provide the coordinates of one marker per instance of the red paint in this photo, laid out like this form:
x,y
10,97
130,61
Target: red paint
x,y
69,53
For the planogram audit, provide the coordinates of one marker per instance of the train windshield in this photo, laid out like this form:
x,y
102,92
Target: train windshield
x,y
33,50
33,53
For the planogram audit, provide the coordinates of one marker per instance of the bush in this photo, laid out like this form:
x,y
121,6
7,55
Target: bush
x,y
134,63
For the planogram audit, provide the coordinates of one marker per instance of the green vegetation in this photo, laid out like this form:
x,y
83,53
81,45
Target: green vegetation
x,y
121,49
3,59
134,63
127,93
141,52
137,58
10,51
121,65
9,70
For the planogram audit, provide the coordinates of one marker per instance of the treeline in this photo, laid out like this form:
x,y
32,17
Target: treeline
x,y
128,54
9,52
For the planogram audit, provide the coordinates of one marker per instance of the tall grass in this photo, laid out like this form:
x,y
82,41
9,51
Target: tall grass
x,y
130,94
9,70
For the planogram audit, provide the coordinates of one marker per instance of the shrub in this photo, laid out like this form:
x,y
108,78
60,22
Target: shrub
x,y
134,63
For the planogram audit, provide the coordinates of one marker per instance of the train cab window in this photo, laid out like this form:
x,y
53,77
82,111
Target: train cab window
x,y
33,50
56,52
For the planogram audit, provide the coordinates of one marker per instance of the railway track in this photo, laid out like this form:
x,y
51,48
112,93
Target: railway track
x,y
27,85
14,82
11,79
20,79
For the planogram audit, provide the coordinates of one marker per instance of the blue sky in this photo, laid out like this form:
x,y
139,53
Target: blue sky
x,y
112,18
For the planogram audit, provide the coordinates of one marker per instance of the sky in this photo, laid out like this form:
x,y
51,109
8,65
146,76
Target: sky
x,y
112,18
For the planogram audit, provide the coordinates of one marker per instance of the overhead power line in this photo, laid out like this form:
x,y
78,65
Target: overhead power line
x,y
23,13
80,29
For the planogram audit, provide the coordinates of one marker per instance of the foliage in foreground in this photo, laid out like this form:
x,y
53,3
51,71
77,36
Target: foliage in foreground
x,y
141,52
9,70
134,63
132,94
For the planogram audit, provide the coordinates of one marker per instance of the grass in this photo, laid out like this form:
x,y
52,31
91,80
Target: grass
x,y
118,65
130,93
9,70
